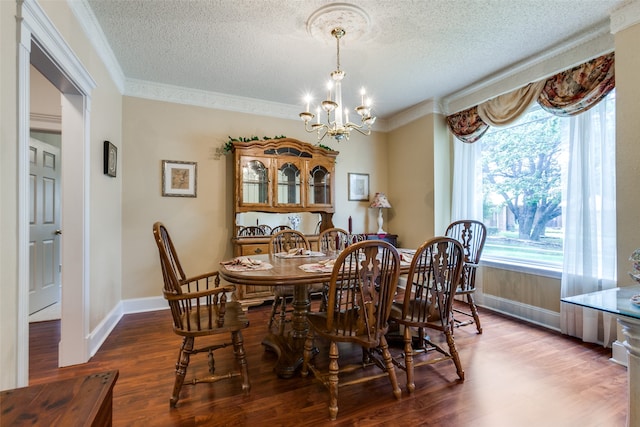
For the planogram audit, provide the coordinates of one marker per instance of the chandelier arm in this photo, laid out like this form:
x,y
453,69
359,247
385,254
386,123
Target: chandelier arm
x,y
326,130
359,129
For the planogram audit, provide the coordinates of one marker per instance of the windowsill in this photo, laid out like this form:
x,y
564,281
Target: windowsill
x,y
522,267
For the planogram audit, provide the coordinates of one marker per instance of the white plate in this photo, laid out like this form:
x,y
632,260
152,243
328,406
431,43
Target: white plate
x,y
635,300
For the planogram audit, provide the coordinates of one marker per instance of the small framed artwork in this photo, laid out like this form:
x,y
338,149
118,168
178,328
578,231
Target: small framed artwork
x,y
179,179
110,159
359,186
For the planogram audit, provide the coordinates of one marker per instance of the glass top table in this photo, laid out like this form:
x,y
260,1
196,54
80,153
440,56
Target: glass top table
x,y
616,301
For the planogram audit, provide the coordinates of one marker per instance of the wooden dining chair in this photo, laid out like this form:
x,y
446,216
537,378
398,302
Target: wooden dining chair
x,y
266,229
362,287
251,230
283,241
472,235
331,241
427,304
199,308
278,228
355,238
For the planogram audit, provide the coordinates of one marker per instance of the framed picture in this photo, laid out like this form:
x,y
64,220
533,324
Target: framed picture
x,y
110,159
359,186
179,179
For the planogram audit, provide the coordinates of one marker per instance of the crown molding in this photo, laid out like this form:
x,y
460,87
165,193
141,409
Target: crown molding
x,y
586,45
221,101
625,17
413,113
87,20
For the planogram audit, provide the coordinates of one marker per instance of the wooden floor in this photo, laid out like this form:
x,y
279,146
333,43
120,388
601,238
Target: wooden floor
x,y
517,375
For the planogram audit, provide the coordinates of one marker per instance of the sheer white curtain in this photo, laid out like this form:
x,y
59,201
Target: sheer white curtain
x,y
467,181
590,221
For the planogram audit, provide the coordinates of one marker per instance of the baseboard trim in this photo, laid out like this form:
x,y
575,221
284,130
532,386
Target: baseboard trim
x,y
137,305
619,354
102,331
539,316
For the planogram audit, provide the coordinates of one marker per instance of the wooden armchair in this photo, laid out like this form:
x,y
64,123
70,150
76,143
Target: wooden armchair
x,y
283,241
428,301
362,288
471,235
199,308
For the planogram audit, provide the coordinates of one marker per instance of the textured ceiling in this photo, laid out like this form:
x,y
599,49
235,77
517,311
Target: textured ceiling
x,y
410,52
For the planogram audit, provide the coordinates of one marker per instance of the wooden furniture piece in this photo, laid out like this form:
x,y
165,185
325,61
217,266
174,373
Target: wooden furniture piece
x,y
280,176
472,235
199,308
286,272
361,291
80,401
283,241
428,304
391,238
617,301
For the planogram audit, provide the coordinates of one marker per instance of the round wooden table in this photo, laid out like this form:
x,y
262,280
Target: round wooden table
x,y
285,272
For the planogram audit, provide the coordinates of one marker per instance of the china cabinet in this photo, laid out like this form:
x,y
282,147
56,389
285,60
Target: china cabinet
x,y
284,176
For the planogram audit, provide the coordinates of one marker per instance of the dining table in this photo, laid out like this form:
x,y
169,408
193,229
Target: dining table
x,y
282,270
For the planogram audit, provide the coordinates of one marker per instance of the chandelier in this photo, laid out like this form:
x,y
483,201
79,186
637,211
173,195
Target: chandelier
x,y
337,124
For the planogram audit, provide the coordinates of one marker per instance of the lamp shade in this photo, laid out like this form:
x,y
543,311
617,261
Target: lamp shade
x,y
380,201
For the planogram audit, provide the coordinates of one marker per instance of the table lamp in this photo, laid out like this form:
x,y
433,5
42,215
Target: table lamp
x,y
380,201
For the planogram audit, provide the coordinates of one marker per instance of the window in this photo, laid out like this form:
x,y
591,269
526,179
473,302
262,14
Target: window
x,y
524,169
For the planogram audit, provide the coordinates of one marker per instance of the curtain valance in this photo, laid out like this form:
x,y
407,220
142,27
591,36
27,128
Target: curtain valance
x,y
505,109
580,88
467,125
564,94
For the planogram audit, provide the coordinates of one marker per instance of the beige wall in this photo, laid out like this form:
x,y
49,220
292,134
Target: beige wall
x,y
627,147
412,192
202,227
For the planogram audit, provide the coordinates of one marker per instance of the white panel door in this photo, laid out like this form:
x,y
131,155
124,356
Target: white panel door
x,y
44,220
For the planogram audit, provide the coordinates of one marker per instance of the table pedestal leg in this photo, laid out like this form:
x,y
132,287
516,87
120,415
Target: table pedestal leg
x,y
289,347
631,330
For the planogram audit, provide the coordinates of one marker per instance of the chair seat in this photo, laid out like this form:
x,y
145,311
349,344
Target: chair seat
x,y
360,337
234,320
415,306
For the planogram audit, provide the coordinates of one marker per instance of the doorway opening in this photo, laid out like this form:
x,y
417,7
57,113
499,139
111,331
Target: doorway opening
x,y
43,47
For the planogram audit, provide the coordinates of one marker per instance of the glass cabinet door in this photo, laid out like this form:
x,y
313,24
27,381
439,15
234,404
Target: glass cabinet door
x,y
289,184
255,183
319,186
